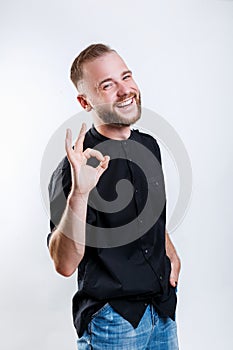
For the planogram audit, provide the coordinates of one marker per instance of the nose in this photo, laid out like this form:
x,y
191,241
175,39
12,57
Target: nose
x,y
122,89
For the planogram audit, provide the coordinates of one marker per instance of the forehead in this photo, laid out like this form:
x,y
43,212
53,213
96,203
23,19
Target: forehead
x,y
110,65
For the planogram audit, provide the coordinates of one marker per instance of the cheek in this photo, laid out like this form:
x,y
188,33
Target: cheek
x,y
110,97
135,86
99,99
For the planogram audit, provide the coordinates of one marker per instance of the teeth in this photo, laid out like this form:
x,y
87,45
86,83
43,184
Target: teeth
x,y
125,103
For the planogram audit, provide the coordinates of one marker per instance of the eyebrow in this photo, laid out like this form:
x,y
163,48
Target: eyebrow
x,y
110,79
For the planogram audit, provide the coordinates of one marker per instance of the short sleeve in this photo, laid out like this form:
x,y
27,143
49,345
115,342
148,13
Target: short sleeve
x,y
59,189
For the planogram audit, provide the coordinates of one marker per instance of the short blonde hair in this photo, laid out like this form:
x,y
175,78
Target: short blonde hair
x,y
89,54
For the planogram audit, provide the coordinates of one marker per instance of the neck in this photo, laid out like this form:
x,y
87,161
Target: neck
x,y
112,131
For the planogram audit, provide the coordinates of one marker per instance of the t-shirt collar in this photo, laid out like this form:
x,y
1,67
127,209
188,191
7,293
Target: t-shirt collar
x,y
101,137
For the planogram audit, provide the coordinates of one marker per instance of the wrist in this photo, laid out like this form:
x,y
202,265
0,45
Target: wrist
x,y
78,202
75,195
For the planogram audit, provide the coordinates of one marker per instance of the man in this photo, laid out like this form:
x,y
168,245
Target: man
x,y
127,278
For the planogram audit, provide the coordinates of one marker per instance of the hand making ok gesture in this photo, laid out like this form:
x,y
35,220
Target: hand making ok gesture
x,y
84,177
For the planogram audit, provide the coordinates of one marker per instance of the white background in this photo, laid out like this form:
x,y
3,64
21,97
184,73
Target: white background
x,y
181,53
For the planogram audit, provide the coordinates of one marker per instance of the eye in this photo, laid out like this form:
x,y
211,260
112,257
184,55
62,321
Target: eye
x,y
126,77
107,86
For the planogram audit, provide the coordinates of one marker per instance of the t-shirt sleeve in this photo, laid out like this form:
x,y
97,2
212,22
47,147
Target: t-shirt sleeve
x,y
157,151
59,189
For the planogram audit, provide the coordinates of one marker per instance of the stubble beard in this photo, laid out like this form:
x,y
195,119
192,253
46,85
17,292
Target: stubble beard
x,y
109,115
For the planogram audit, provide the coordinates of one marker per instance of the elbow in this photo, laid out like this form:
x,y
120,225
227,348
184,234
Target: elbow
x,y
65,259
67,269
64,271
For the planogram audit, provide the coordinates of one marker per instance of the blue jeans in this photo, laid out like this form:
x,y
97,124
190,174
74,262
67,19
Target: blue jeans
x,y
109,331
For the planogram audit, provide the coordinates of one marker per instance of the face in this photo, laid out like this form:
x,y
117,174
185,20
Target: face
x,y
110,90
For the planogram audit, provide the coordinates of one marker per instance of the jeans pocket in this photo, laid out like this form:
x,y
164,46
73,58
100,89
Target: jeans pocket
x,y
100,311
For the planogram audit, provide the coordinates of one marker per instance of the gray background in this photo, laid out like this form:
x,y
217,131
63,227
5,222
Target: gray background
x,y
181,53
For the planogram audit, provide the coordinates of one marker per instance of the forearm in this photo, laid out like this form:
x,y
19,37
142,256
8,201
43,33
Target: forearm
x,y
67,243
175,261
170,249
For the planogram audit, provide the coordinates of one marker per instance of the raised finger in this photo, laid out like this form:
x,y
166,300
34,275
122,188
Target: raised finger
x,y
78,146
68,141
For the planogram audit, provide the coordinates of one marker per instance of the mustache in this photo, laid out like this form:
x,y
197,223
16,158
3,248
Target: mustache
x,y
126,97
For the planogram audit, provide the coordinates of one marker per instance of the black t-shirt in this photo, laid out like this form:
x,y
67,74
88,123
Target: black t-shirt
x,y
125,261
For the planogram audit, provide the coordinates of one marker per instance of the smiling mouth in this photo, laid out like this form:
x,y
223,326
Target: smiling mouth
x,y
125,103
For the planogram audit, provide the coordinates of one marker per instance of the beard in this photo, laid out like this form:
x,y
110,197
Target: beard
x,y
111,114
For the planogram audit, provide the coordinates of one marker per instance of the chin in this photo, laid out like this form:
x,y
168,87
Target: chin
x,y
117,119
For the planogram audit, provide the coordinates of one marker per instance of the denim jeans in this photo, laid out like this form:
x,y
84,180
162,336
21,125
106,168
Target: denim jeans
x,y
109,331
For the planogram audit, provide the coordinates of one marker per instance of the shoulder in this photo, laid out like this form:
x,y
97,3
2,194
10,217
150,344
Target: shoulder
x,y
146,139
62,168
60,178
144,135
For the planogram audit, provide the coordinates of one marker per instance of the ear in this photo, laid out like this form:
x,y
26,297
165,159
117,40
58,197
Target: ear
x,y
84,103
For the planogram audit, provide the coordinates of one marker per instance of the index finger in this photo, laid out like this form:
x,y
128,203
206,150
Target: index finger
x,y
78,146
